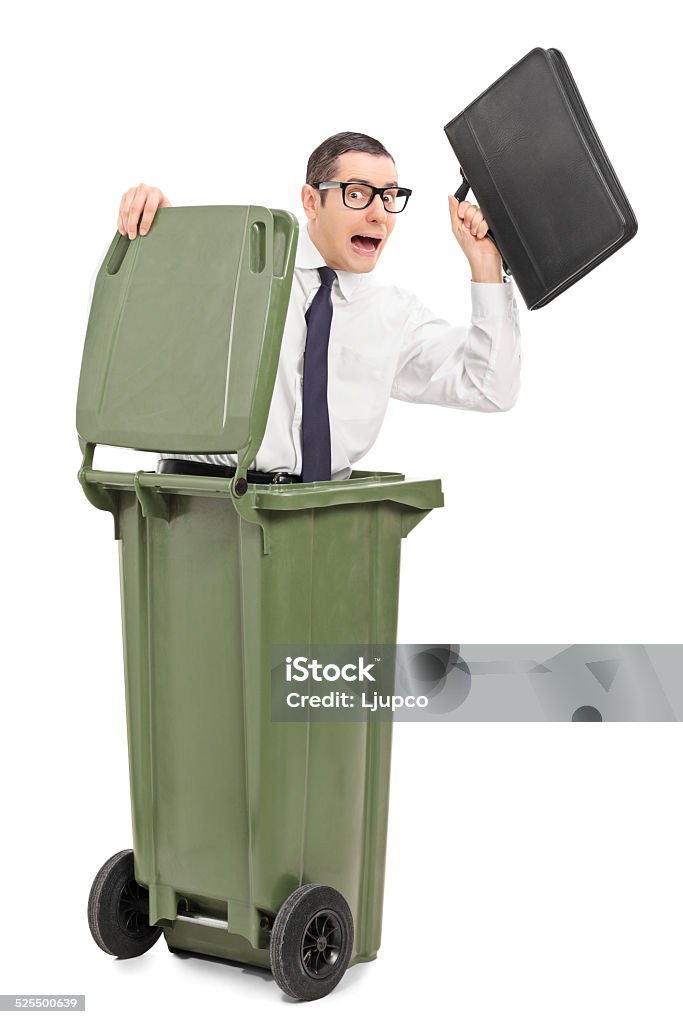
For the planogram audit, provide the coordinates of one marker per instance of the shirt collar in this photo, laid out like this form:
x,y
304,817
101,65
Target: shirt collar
x,y
308,258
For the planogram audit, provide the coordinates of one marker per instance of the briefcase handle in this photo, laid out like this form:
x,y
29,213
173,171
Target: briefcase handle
x,y
460,195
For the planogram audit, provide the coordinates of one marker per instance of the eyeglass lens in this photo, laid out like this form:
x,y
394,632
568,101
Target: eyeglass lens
x,y
360,196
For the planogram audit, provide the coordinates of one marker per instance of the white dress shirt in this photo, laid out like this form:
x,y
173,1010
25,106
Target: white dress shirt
x,y
384,343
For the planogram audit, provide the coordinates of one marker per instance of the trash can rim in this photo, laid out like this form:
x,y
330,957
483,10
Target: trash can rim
x,y
360,488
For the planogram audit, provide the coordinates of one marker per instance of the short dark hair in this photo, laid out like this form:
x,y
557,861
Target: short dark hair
x,y
322,163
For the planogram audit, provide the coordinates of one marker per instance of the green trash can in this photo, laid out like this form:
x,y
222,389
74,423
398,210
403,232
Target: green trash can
x,y
254,840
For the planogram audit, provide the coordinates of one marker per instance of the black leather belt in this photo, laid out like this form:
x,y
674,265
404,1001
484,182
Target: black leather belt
x,y
193,468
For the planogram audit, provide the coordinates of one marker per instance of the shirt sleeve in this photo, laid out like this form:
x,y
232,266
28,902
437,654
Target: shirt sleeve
x,y
470,367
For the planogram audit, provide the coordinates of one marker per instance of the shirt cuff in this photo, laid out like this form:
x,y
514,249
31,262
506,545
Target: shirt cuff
x,y
492,299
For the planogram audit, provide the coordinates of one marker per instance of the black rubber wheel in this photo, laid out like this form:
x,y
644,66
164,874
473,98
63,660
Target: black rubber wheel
x,y
311,941
118,909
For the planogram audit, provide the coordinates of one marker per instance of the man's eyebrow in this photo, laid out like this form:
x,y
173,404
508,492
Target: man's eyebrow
x,y
364,181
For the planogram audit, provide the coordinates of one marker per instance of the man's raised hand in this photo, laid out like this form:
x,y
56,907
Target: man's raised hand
x,y
140,201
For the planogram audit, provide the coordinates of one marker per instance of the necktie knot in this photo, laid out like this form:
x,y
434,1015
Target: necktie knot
x,y
327,276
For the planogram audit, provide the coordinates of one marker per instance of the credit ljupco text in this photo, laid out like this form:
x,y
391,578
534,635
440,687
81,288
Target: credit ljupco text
x,y
302,670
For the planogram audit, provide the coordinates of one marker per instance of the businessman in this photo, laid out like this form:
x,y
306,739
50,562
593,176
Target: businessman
x,y
350,343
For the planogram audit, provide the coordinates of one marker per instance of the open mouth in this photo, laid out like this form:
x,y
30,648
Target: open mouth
x,y
365,245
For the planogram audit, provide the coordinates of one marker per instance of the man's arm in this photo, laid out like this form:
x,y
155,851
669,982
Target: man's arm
x,y
474,367
470,367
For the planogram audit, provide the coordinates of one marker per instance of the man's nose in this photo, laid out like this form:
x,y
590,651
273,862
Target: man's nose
x,y
377,210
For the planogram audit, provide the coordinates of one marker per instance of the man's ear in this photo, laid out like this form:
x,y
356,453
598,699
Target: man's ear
x,y
310,200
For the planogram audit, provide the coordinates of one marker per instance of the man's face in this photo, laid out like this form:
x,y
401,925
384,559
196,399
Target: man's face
x,y
351,239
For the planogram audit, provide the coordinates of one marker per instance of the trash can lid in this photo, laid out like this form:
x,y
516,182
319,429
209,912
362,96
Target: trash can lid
x,y
185,329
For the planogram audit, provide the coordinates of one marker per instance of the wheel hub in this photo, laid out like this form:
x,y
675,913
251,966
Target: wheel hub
x,y
133,907
321,944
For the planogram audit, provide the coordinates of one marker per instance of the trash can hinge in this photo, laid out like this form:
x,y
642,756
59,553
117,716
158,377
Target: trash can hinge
x,y
96,494
239,485
153,503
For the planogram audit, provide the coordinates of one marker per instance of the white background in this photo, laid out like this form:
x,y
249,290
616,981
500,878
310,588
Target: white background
x,y
533,872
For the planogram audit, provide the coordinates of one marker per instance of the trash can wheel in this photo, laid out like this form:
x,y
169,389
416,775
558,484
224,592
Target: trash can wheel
x,y
311,941
118,909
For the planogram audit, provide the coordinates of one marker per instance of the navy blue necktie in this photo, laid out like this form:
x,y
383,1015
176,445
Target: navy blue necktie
x,y
315,424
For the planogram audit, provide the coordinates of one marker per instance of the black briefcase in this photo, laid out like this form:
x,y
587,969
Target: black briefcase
x,y
528,150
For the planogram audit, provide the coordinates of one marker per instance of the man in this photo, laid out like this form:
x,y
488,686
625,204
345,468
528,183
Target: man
x,y
350,343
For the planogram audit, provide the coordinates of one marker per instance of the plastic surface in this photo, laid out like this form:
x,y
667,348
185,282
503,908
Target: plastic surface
x,y
184,332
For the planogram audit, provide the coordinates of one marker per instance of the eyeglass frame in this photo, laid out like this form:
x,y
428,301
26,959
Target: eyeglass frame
x,y
343,185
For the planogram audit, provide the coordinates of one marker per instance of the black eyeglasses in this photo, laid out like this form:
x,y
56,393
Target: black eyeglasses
x,y
358,196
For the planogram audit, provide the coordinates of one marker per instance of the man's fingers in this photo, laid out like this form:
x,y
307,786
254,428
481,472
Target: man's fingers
x,y
126,200
149,209
153,201
473,219
461,215
477,219
138,208
466,212
467,221
466,216
135,210
469,214
126,204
